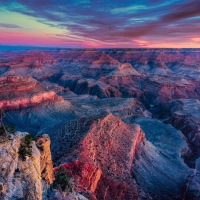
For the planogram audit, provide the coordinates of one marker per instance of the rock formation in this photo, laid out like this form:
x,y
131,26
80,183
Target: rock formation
x,y
125,70
46,165
18,92
99,150
106,59
100,67
21,178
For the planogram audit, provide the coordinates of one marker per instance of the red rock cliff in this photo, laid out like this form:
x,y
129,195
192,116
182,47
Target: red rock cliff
x,y
104,159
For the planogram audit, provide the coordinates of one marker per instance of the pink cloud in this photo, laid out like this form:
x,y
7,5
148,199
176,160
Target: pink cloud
x,y
33,39
170,44
195,39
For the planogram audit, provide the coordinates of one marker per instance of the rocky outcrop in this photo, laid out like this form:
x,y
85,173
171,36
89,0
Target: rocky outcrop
x,y
46,164
106,155
125,70
40,57
19,179
16,83
161,90
22,179
105,59
100,67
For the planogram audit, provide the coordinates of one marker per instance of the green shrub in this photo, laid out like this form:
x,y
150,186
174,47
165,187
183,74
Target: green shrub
x,y
28,139
61,180
26,147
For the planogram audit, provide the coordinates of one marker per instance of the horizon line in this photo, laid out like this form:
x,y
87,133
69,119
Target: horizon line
x,y
58,47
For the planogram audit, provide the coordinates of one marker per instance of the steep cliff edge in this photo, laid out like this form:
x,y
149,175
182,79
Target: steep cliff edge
x,y
46,164
21,173
101,162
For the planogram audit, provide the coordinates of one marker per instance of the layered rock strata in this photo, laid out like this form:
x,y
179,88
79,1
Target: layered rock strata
x,y
18,92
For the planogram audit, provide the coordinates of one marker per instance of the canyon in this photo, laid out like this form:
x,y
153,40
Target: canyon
x,y
123,123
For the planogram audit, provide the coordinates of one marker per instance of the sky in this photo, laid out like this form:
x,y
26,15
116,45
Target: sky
x,y
101,23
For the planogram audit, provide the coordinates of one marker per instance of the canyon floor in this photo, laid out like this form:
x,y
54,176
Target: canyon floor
x,y
124,123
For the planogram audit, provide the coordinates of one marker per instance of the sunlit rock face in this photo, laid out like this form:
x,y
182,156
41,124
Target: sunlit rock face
x,y
125,70
29,178
106,156
85,176
46,165
20,92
